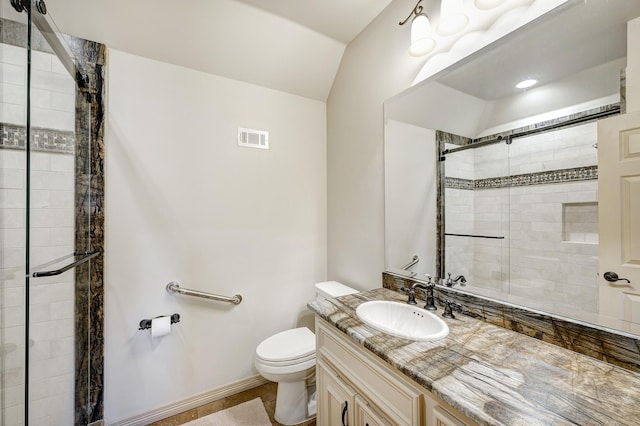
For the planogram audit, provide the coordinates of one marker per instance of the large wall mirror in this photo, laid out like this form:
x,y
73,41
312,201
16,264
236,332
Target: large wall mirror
x,y
500,184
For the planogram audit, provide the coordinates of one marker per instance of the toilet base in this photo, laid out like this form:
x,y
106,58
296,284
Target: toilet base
x,y
291,403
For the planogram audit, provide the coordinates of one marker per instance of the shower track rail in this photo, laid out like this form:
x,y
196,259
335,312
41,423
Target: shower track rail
x,y
174,287
85,258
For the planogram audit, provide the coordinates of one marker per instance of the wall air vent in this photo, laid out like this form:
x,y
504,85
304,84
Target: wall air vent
x,y
253,138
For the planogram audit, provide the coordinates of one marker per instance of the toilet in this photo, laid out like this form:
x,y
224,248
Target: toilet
x,y
289,359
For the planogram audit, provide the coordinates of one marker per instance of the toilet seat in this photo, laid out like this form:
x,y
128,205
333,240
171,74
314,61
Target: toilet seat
x,y
288,347
295,361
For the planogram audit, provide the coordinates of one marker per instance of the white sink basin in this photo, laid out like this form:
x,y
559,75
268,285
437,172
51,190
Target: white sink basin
x,y
402,320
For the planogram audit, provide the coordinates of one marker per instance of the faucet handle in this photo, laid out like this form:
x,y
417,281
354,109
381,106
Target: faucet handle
x,y
449,305
448,282
412,295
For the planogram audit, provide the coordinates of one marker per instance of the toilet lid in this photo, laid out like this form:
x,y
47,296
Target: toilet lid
x,y
288,345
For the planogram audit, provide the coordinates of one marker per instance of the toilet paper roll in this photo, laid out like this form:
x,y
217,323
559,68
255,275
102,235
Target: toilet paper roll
x,y
160,326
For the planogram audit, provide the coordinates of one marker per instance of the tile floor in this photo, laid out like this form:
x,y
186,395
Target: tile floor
x,y
266,392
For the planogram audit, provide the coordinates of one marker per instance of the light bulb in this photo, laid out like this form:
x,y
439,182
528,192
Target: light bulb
x,y
421,40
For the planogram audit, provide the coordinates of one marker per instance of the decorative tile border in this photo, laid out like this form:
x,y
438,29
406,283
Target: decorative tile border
x,y
614,348
458,183
540,178
42,140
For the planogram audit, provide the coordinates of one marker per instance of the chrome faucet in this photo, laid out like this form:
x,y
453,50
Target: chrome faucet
x,y
429,297
412,292
449,282
428,290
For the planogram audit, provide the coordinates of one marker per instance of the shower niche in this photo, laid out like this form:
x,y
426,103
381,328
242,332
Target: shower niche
x,y
51,221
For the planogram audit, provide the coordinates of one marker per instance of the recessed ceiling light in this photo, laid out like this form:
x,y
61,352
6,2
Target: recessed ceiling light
x,y
526,83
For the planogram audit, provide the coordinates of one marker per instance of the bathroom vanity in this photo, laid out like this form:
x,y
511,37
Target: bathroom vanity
x,y
354,387
478,374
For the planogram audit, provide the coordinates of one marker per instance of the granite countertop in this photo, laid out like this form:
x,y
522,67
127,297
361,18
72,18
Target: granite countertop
x,y
496,376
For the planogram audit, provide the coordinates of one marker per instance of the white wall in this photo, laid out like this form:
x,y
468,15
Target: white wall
x,y
185,203
375,67
410,196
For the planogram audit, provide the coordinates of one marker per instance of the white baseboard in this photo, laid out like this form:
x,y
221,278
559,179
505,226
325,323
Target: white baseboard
x,y
192,402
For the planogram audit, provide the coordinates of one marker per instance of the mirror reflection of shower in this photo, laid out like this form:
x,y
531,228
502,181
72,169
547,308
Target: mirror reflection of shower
x,y
521,216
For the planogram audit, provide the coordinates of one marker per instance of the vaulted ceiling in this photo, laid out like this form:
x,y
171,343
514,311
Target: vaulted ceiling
x,y
290,45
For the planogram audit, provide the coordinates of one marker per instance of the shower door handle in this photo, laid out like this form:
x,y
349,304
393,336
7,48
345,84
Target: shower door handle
x,y
85,258
612,277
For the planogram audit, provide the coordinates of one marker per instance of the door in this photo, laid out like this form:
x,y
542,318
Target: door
x,y
619,221
335,398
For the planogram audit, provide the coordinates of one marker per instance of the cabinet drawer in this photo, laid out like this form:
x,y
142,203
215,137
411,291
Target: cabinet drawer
x,y
396,398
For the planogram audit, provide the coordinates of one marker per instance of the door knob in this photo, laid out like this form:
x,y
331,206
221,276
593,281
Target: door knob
x,y
612,277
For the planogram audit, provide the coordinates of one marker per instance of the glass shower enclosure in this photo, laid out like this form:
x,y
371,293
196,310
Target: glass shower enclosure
x,y
45,242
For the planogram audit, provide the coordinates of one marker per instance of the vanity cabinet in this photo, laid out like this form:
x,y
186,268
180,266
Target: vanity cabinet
x,y
354,387
339,404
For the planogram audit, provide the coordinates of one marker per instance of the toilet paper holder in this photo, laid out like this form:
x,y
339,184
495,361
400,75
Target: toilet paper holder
x,y
145,324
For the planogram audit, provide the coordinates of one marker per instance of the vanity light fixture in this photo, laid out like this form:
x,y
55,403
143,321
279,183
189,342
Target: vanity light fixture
x,y
526,83
452,17
421,40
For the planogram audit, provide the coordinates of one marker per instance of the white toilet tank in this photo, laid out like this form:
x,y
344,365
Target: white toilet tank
x,y
331,289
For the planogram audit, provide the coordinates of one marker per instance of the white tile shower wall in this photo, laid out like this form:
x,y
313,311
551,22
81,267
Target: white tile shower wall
x,y
478,212
52,299
459,251
491,256
534,261
491,161
52,235
52,90
543,264
460,164
559,149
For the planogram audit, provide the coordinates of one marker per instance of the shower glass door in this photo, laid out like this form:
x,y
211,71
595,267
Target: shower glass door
x,y
13,124
40,170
